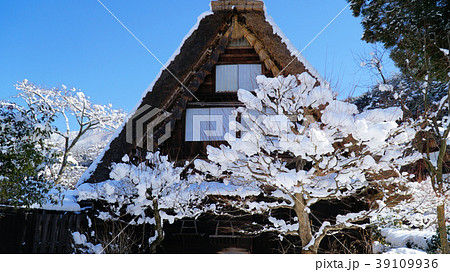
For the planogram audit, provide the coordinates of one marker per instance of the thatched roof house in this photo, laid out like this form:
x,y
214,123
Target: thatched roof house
x,y
233,33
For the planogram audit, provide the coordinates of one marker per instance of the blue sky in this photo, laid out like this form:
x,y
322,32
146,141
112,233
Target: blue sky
x,y
79,44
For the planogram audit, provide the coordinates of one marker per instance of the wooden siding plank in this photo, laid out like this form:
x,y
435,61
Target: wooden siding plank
x,y
44,234
37,233
61,235
53,240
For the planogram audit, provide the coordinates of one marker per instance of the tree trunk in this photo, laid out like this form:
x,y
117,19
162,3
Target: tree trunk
x,y
64,161
304,224
68,148
158,228
442,229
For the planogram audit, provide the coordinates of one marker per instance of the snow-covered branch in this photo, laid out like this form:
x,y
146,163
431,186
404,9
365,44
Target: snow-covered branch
x,y
300,145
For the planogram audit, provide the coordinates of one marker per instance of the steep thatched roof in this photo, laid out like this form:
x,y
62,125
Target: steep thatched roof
x,y
196,58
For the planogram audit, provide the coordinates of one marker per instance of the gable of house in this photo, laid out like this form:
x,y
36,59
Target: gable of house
x,y
225,51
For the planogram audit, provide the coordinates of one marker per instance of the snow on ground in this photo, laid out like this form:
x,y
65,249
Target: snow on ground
x,y
410,223
403,238
402,241
404,250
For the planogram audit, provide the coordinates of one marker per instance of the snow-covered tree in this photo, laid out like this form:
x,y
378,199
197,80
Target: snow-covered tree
x,y
72,106
24,155
400,90
433,142
82,155
299,145
149,192
373,63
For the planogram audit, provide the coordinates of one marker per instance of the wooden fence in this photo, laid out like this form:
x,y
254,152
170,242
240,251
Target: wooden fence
x,y
37,231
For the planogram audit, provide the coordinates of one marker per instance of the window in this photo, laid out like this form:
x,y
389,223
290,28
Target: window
x,y
208,124
230,78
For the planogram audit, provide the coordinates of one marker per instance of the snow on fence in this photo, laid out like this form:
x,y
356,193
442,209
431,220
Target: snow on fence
x,y
37,231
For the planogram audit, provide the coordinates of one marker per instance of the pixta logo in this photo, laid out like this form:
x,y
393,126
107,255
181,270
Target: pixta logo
x,y
142,126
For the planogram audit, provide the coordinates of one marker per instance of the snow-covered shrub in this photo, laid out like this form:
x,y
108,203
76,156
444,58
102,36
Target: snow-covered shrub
x,y
81,244
150,192
299,145
24,155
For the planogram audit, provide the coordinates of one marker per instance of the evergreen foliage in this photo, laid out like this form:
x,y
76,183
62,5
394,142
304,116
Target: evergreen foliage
x,y
416,32
24,155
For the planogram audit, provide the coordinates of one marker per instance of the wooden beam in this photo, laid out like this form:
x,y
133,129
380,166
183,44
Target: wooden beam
x,y
260,50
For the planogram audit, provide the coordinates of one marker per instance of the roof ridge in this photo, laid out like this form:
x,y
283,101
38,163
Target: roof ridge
x,y
239,5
